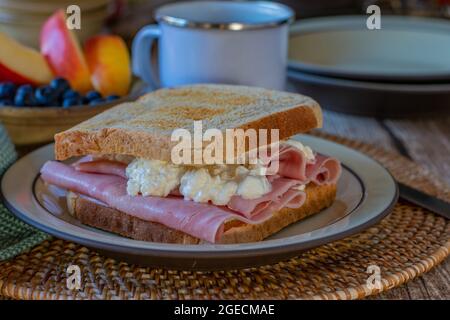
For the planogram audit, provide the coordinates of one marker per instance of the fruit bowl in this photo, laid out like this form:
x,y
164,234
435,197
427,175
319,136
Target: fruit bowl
x,y
48,91
36,125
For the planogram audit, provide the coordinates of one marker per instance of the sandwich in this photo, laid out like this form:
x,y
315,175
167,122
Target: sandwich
x,y
120,174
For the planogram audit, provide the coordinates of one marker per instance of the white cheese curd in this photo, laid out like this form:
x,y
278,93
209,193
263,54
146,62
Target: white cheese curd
x,y
199,186
253,187
241,171
258,169
215,184
307,151
152,177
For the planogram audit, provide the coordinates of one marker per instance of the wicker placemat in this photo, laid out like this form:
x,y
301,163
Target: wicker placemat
x,y
407,243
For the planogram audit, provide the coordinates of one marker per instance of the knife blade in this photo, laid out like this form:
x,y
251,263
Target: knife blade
x,y
424,200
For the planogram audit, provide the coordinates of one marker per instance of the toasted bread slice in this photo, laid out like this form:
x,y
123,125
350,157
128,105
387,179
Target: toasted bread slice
x,y
143,128
112,220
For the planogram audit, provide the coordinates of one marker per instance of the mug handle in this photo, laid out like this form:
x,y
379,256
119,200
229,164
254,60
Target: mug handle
x,y
141,49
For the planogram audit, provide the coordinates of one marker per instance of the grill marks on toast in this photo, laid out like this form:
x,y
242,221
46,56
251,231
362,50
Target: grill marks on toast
x,y
144,127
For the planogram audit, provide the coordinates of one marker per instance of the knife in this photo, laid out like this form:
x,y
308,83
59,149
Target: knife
x,y
424,200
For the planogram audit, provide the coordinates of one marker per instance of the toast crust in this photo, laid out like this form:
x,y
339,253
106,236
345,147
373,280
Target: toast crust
x,y
143,128
112,220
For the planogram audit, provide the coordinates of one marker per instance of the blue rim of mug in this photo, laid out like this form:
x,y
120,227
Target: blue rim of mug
x,y
232,26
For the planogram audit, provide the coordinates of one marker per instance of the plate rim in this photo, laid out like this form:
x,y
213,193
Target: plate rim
x,y
230,250
348,22
370,85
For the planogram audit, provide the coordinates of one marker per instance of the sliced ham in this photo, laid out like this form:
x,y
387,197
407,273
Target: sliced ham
x,y
248,208
276,198
290,162
201,220
293,170
102,166
324,170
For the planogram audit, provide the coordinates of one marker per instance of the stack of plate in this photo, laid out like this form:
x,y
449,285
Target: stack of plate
x,y
400,70
22,19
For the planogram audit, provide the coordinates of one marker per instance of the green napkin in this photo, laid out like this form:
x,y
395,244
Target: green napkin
x,y
15,235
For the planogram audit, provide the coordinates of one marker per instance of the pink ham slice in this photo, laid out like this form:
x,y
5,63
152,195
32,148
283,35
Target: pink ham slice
x,y
201,220
293,170
102,166
282,195
262,208
293,164
324,170
290,163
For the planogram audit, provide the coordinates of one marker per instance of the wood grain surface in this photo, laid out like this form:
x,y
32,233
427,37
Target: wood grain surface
x,y
425,141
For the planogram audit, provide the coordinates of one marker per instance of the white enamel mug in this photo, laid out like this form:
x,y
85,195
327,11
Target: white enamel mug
x,y
242,42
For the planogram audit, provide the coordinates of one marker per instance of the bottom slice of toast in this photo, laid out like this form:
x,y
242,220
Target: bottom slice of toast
x,y
96,215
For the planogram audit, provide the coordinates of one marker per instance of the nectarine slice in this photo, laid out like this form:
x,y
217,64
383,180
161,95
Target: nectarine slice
x,y
60,47
22,65
109,63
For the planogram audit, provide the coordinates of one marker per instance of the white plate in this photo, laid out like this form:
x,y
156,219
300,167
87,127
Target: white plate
x,y
405,49
366,193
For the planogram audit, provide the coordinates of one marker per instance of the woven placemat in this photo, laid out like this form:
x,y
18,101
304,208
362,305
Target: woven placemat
x,y
407,243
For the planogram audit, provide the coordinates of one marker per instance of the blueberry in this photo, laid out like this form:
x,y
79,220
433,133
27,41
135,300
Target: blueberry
x,y
45,96
93,95
71,94
60,85
71,101
23,100
25,88
25,96
96,102
19,100
7,90
112,98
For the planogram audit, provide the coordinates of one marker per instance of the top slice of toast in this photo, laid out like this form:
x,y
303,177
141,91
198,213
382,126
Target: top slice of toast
x,y
143,128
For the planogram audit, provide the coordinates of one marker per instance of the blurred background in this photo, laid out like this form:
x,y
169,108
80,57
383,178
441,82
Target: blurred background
x,y
402,70
23,18
132,14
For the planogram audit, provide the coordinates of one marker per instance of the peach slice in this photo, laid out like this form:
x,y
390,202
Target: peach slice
x,y
22,65
109,63
60,47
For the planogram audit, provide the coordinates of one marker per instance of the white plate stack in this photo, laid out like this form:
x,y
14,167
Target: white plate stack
x,y
401,69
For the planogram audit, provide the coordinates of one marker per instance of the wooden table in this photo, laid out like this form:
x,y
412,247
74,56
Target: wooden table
x,y
426,141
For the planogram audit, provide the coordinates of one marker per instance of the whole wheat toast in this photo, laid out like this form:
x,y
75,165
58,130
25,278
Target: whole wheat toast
x,y
143,128
112,220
